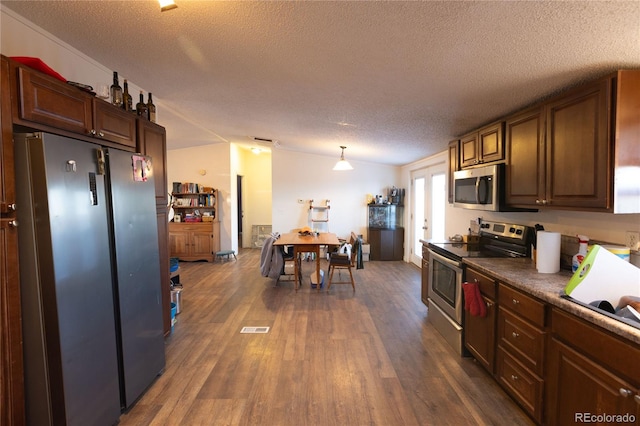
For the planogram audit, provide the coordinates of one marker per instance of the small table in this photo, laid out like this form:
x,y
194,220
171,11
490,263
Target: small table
x,y
307,244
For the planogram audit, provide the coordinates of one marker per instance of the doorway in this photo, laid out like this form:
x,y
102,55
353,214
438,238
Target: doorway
x,y
428,208
240,218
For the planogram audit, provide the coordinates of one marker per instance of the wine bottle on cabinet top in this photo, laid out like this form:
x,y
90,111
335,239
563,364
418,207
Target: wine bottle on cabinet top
x,y
141,107
127,100
151,108
116,91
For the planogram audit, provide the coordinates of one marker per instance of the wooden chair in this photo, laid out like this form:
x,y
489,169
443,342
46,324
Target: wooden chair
x,y
342,261
288,257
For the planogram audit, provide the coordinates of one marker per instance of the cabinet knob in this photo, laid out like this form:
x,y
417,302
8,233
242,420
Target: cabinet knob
x,y
12,207
637,398
13,223
92,132
515,335
489,304
538,202
515,301
625,392
514,377
101,134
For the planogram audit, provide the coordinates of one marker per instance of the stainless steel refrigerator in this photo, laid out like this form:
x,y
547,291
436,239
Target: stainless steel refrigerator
x,y
90,279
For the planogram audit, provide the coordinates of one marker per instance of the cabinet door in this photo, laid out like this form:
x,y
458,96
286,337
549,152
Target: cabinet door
x,y
179,244
114,124
525,173
45,100
152,141
201,244
480,332
454,165
468,150
577,149
480,335
579,386
491,143
375,243
11,364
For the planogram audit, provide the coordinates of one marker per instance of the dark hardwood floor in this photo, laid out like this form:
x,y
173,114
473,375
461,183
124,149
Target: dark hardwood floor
x,y
338,358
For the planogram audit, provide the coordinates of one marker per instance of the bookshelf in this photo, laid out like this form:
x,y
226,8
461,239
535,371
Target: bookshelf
x,y
194,233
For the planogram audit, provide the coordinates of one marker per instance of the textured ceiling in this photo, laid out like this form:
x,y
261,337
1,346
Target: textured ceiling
x,y
393,81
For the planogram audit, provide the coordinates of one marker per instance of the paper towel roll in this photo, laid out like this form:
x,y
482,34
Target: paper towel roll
x,y
548,252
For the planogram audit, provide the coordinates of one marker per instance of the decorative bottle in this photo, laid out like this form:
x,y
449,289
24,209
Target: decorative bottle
x,y
141,107
127,100
116,91
151,108
582,252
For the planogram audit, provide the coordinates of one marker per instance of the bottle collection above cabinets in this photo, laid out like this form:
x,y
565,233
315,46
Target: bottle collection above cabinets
x,y
123,100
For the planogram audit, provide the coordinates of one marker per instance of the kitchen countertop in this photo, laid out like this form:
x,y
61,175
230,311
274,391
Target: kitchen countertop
x,y
522,274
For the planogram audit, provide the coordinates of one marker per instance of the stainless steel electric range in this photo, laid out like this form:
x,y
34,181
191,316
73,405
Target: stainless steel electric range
x,y
447,272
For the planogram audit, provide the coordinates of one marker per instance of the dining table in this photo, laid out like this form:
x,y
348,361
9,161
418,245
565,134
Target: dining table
x,y
307,243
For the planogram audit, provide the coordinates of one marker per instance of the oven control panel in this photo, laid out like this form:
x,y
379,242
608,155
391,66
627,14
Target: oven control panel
x,y
503,230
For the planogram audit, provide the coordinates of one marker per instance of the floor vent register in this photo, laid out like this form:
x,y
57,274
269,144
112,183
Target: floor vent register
x,y
254,330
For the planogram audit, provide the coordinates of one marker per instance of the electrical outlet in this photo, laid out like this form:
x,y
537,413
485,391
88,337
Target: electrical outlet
x,y
632,240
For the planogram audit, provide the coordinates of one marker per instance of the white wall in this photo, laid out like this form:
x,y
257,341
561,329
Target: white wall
x,y
20,37
298,176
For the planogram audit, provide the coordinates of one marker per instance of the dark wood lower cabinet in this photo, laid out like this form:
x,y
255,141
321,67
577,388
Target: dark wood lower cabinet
x,y
425,276
11,363
590,373
386,244
581,387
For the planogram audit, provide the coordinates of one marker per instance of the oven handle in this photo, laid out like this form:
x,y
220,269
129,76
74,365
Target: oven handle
x,y
453,263
478,190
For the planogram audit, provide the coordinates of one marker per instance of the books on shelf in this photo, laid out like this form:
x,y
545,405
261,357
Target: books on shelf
x,y
191,188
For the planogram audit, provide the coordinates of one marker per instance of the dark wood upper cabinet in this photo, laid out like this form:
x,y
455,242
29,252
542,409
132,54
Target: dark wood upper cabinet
x,y
558,153
152,141
44,100
577,149
525,155
482,146
454,165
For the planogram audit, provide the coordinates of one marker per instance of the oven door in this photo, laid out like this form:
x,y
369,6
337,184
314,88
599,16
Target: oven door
x,y
445,286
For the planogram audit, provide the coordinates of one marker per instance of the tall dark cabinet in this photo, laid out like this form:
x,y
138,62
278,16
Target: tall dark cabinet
x,y
386,233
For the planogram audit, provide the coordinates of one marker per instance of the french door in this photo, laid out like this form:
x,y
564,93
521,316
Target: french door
x,y
429,197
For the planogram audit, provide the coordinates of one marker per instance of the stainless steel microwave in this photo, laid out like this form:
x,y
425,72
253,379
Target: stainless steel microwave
x,y
479,188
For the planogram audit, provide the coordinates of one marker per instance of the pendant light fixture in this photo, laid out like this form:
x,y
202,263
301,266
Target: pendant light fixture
x,y
167,5
342,164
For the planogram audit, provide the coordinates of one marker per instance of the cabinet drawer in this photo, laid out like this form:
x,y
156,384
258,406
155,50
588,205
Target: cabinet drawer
x,y
42,99
521,305
524,341
487,285
524,386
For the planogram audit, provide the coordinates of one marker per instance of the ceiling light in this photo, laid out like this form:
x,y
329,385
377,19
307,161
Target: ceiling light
x,y
342,164
167,5
256,150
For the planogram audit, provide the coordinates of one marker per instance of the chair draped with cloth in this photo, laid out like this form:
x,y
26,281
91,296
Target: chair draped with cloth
x,y
346,261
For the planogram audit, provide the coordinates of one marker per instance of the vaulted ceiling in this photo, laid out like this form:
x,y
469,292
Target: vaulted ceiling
x,y
393,81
